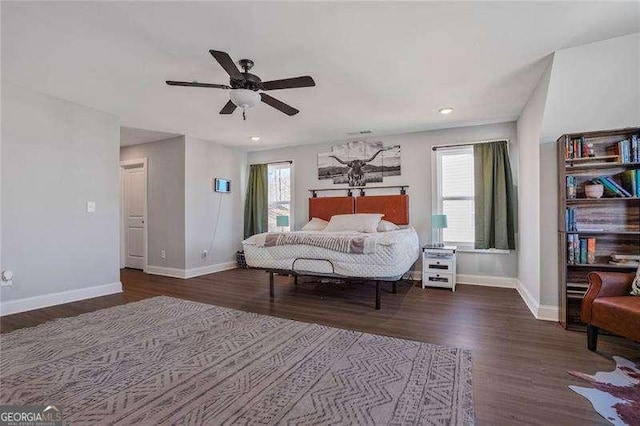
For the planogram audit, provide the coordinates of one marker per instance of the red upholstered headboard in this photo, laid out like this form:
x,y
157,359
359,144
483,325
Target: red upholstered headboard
x,y
394,207
325,207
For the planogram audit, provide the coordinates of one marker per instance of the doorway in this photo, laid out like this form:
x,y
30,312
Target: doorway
x,y
133,218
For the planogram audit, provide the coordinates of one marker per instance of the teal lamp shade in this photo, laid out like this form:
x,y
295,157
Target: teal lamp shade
x,y
439,221
282,221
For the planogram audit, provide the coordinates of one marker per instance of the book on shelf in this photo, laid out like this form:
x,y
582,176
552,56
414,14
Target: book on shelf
x,y
577,148
591,251
577,286
611,187
578,294
628,260
627,149
571,187
630,180
635,257
571,223
628,263
581,250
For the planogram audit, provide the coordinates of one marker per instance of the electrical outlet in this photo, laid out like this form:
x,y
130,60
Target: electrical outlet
x,y
205,253
91,206
163,254
6,279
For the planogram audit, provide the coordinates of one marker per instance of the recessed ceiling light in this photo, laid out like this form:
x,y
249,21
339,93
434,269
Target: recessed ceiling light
x,y
445,111
255,138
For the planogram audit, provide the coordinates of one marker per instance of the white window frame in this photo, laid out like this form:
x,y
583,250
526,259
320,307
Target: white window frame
x,y
291,188
437,201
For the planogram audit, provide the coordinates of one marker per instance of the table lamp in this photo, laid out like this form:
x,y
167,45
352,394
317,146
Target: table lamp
x,y
438,222
282,221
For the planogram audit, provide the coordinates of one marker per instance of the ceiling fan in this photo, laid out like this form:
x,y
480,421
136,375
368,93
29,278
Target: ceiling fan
x,y
244,86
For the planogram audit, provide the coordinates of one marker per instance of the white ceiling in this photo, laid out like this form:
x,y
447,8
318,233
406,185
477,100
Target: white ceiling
x,y
133,136
387,66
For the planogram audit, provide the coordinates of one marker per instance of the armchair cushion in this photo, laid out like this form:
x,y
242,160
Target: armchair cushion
x,y
619,314
604,284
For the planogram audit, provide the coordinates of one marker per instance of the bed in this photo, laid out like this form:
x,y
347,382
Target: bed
x,y
387,258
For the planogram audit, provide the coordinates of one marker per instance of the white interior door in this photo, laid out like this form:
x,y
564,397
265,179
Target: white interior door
x,y
134,216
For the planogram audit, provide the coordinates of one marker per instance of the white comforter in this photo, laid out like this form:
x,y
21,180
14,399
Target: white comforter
x,y
393,254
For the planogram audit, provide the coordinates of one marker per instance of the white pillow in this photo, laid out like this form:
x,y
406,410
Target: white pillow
x,y
359,222
635,285
386,226
315,224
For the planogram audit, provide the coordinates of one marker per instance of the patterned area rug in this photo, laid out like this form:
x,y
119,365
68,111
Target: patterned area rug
x,y
166,360
616,394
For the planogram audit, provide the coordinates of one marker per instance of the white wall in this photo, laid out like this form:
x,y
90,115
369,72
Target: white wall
x,y
208,212
166,199
416,172
57,155
529,126
592,87
587,88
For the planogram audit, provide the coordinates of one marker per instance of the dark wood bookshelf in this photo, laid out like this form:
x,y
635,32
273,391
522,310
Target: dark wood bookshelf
x,y
614,221
602,266
600,200
601,166
604,232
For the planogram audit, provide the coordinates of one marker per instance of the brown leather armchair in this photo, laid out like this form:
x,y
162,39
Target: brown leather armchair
x,y
609,305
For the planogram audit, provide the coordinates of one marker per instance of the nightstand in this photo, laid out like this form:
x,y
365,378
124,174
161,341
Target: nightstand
x,y
439,267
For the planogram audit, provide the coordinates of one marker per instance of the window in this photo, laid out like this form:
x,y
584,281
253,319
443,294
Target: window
x,y
279,197
455,194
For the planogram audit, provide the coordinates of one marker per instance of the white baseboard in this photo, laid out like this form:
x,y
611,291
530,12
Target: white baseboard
x,y
486,280
481,280
210,269
190,273
549,313
166,272
52,299
541,312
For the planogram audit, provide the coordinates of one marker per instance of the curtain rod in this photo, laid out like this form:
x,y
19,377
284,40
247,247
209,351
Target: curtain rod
x,y
272,162
455,145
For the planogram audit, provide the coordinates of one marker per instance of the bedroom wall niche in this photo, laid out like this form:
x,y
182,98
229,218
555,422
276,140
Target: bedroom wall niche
x,y
195,227
166,199
416,172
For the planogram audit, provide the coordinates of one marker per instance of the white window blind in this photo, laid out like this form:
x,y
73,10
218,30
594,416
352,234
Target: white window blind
x,y
455,194
279,196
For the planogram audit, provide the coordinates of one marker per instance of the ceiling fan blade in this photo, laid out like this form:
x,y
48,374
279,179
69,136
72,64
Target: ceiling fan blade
x,y
288,83
279,105
226,62
228,108
196,84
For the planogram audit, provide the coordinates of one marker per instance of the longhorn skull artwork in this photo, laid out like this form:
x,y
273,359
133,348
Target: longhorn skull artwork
x,y
360,162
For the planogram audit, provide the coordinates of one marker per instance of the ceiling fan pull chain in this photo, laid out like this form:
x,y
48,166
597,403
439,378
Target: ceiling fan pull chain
x,y
244,116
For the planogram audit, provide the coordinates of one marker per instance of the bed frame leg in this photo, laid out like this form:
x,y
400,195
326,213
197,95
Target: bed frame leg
x,y
271,293
295,280
395,287
378,295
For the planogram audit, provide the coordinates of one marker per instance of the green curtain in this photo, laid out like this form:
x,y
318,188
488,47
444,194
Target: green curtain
x,y
256,213
494,197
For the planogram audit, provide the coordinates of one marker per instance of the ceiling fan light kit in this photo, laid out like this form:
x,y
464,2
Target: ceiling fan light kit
x,y
244,98
244,86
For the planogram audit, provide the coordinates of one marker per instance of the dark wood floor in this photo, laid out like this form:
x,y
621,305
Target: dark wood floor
x,y
520,363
